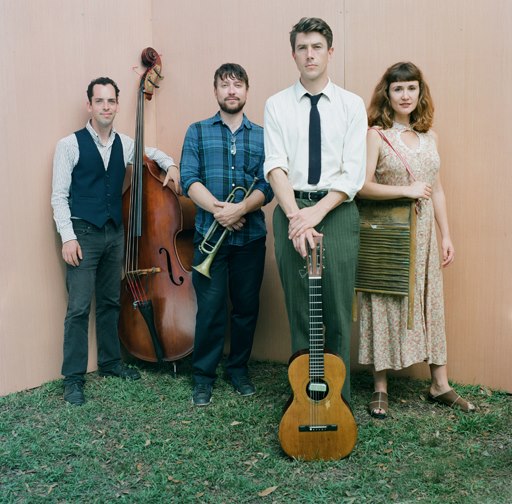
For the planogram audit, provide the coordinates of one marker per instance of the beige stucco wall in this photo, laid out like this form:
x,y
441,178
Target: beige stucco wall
x,y
51,49
465,50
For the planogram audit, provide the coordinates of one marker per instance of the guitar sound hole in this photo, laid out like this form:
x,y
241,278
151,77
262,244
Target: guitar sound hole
x,y
317,390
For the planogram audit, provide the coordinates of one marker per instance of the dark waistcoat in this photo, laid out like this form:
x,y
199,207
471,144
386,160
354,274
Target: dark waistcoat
x,y
96,193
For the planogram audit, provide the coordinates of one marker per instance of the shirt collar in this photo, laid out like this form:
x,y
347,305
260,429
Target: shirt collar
x,y
95,135
218,119
301,91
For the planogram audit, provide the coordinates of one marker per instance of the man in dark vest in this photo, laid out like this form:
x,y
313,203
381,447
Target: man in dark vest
x,y
88,173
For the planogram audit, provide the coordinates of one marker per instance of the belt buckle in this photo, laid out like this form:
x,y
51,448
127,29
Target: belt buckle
x,y
309,195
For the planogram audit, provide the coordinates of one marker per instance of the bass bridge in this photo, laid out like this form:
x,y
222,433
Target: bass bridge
x,y
146,271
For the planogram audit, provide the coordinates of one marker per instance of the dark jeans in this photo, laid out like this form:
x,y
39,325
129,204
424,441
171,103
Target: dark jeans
x,y
237,271
99,273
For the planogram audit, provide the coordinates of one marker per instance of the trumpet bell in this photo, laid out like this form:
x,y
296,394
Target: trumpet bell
x,y
204,267
211,249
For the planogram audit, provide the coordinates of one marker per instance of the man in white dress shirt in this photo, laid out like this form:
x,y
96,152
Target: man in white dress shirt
x,y
88,172
310,206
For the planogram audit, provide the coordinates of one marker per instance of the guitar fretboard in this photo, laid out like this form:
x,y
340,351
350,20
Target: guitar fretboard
x,y
316,329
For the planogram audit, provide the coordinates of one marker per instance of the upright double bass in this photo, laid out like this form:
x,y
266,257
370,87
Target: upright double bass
x,y
158,303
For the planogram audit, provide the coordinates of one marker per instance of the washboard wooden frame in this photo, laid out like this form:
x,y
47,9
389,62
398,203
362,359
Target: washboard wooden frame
x,y
387,251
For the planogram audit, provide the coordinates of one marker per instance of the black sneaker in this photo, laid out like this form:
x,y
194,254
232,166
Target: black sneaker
x,y
243,385
202,394
74,393
121,371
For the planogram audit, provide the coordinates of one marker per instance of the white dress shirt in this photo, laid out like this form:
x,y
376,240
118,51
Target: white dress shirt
x,y
343,127
66,158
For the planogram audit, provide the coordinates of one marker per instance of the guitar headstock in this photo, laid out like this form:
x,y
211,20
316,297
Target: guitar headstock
x,y
314,258
153,74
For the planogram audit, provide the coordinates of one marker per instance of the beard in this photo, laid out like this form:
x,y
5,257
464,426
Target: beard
x,y
231,109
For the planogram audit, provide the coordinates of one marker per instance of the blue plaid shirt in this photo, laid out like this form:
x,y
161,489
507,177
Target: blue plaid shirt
x,y
222,160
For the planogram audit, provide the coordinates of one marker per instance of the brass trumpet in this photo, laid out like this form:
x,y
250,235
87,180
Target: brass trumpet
x,y
210,249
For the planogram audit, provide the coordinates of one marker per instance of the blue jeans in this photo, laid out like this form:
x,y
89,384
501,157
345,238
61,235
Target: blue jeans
x,y
237,271
99,273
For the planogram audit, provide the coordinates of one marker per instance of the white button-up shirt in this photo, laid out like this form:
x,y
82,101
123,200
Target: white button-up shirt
x,y
343,127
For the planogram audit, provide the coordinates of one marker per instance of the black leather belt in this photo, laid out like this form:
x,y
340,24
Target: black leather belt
x,y
310,195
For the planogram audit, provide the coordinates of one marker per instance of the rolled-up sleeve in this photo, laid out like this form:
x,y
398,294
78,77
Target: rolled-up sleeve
x,y
353,169
275,149
262,185
163,160
190,170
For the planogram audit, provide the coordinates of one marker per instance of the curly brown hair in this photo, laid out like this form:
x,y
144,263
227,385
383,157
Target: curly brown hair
x,y
380,112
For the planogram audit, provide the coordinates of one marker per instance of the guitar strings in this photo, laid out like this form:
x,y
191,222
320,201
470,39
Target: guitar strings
x,y
316,363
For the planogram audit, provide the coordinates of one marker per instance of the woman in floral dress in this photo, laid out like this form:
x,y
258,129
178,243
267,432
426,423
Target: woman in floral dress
x,y
401,109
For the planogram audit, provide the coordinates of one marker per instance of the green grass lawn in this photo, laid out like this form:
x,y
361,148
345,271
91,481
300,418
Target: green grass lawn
x,y
144,442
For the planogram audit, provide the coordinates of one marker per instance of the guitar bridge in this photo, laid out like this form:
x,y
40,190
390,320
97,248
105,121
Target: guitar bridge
x,y
318,428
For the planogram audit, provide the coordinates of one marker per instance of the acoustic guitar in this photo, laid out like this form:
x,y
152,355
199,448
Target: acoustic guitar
x,y
317,423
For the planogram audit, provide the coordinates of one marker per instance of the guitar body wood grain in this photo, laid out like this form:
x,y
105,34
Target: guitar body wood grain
x,y
317,425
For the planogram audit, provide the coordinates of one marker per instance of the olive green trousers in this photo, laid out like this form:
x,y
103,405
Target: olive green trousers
x,y
340,229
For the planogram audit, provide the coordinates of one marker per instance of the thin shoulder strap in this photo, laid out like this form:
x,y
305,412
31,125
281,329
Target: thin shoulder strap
x,y
385,138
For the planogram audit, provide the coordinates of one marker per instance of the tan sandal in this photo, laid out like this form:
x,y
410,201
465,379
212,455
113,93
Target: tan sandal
x,y
452,400
379,401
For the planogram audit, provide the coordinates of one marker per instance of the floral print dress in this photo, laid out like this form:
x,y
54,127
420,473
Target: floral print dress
x,y
385,340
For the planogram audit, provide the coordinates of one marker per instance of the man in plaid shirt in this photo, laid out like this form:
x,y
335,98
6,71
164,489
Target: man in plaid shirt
x,y
220,154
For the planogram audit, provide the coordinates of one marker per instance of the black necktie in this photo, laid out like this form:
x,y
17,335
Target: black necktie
x,y
315,151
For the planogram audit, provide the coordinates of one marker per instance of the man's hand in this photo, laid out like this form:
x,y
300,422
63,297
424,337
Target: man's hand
x,y
302,220
72,253
230,215
172,179
301,241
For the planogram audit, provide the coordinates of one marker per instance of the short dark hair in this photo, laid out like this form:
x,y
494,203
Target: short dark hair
x,y
308,25
233,71
102,81
380,112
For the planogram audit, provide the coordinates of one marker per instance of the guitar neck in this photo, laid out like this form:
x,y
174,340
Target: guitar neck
x,y
316,329
317,423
